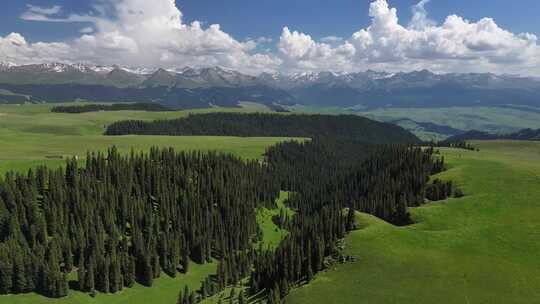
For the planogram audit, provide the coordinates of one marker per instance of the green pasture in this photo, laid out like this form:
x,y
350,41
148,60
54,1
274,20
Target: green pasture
x,y
31,135
482,248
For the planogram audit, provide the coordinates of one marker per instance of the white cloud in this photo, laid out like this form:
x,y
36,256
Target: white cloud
x,y
420,18
86,30
44,10
456,45
264,40
331,39
153,34
301,52
38,13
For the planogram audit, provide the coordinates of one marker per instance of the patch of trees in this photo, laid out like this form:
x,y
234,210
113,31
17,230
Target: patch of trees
x,y
347,127
76,109
454,144
125,219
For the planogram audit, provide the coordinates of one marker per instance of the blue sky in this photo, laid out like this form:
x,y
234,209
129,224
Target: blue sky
x,y
253,36
254,18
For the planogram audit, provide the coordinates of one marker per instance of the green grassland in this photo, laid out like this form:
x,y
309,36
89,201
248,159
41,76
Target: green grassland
x,y
272,234
489,119
31,135
482,248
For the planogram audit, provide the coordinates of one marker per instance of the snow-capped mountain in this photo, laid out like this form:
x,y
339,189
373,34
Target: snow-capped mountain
x,y
307,79
194,78
6,65
365,89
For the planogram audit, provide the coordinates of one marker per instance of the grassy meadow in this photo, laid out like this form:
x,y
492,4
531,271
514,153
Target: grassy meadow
x,y
31,135
482,248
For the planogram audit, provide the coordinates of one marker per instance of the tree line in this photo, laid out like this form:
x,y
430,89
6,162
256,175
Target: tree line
x,y
77,109
347,127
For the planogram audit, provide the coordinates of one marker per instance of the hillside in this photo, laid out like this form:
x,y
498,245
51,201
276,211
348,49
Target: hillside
x,y
525,134
481,245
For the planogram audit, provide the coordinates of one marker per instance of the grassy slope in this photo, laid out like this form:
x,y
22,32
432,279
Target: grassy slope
x,y
490,119
31,135
483,248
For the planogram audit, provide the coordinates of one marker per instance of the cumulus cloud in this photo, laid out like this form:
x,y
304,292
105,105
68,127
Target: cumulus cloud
x,y
420,19
147,33
456,45
154,34
301,52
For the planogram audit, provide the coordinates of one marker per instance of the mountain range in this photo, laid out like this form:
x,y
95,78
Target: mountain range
x,y
204,87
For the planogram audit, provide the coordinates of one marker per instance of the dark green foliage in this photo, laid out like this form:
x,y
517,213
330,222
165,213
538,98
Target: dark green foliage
x,y
346,127
75,109
122,219
454,143
439,190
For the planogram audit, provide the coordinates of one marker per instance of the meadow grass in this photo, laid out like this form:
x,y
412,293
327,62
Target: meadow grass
x,y
482,248
271,233
490,119
31,135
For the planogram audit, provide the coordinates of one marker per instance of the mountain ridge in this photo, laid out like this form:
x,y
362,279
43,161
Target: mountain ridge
x,y
369,89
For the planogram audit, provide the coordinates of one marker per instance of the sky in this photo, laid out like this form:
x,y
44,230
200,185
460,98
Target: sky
x,y
498,36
